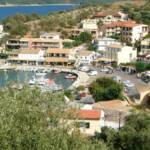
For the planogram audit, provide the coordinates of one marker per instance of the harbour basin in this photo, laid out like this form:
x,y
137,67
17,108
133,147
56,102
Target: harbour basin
x,y
23,77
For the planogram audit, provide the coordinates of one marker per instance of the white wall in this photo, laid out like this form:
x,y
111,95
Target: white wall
x,y
1,29
34,57
126,55
104,42
138,33
87,59
89,25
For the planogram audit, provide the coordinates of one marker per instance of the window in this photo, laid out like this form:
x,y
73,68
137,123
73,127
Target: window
x,y
83,125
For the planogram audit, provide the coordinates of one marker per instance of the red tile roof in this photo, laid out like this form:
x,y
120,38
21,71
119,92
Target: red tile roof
x,y
101,14
89,114
121,24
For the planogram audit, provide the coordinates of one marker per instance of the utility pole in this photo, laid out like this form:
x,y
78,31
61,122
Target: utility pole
x,y
119,120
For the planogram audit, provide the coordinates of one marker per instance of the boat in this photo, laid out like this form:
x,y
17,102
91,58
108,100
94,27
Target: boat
x,y
40,73
70,76
38,81
51,86
56,71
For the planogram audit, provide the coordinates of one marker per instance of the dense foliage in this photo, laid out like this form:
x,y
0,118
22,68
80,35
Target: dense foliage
x,y
106,89
141,66
16,24
140,14
30,120
133,136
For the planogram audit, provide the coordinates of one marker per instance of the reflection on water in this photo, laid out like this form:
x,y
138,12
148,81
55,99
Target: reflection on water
x,y
21,77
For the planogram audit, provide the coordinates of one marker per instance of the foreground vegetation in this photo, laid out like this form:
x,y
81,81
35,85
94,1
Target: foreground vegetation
x,y
30,120
133,136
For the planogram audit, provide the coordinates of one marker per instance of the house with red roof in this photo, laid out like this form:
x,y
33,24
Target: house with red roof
x,y
88,121
130,30
108,18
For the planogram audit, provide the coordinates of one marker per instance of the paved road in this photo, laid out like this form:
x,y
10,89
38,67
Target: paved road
x,y
140,85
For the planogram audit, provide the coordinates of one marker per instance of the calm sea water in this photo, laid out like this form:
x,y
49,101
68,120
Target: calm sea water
x,y
21,77
41,10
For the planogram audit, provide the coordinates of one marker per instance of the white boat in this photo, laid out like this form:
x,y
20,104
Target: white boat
x,y
70,76
40,73
56,71
38,81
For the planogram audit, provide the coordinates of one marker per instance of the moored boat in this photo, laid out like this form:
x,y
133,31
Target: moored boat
x,y
70,76
56,71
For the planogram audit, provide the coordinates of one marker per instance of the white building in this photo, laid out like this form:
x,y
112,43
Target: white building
x,y
1,28
130,30
136,32
30,57
120,53
1,31
115,112
89,24
107,18
145,46
88,121
102,43
86,57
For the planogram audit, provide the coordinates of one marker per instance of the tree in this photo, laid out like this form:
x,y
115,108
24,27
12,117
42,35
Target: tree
x,y
30,120
133,136
85,37
140,66
106,89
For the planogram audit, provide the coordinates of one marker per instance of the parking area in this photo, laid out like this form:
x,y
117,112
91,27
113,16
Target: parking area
x,y
139,84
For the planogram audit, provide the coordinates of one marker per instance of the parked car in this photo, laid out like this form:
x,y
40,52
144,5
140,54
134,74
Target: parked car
x,y
93,73
116,78
104,70
128,83
84,68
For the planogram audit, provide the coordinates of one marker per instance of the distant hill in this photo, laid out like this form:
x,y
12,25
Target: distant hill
x,y
4,2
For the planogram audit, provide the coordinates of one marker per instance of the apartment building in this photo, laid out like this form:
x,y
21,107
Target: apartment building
x,y
85,56
33,43
120,53
51,35
108,18
88,25
102,43
59,57
27,56
130,30
145,46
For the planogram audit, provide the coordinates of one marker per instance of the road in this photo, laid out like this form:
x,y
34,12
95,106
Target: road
x,y
139,84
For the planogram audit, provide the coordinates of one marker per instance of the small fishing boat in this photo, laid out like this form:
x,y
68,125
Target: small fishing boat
x,y
56,71
40,73
70,76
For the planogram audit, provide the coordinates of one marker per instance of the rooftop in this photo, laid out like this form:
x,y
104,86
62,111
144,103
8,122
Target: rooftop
x,y
115,46
89,114
85,53
58,51
116,105
129,23
56,59
29,51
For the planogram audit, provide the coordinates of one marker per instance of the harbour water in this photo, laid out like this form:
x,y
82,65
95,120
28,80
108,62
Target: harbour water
x,y
39,9
23,77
